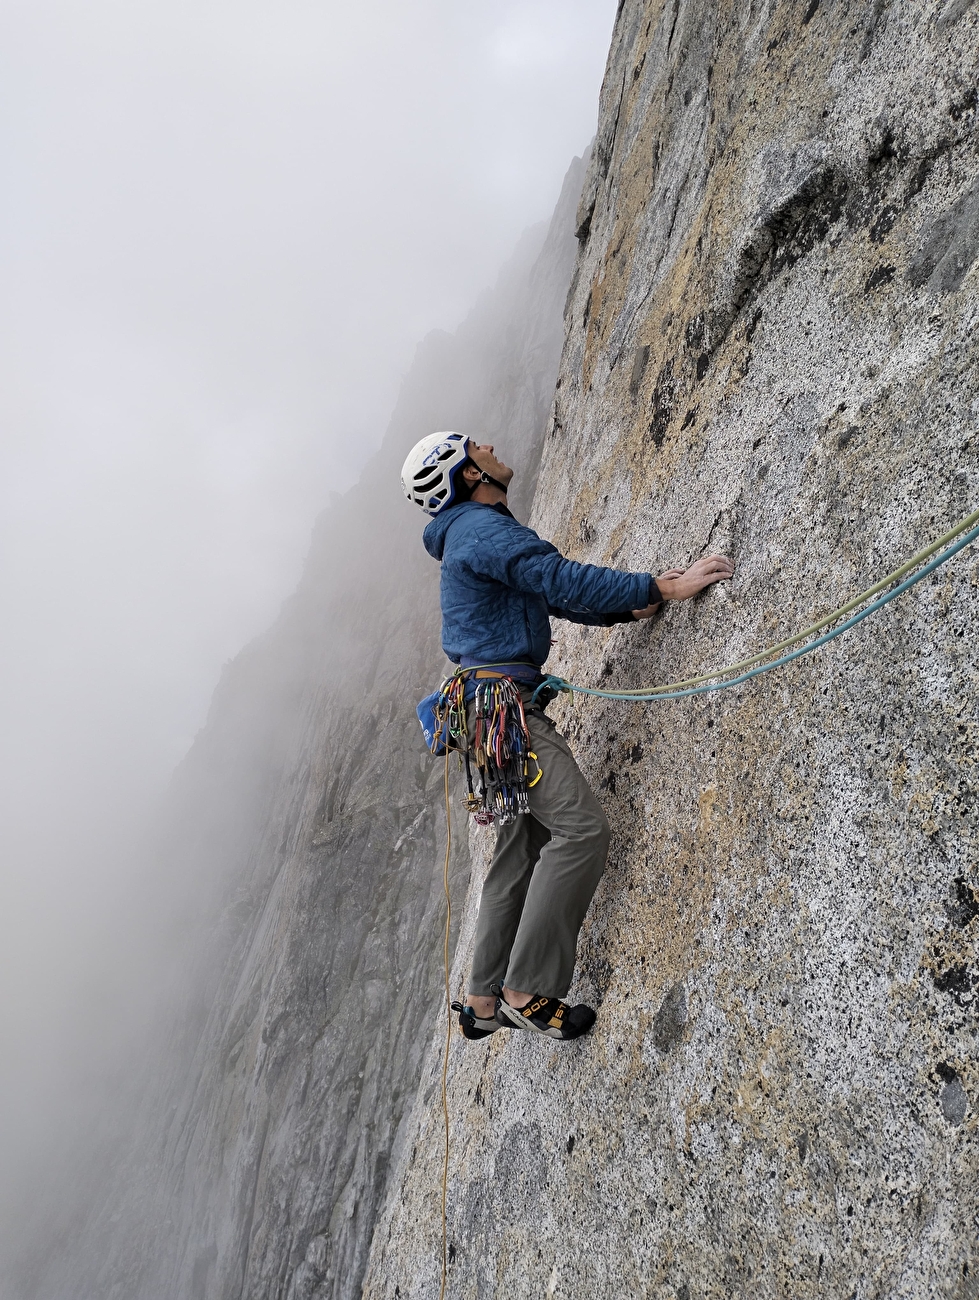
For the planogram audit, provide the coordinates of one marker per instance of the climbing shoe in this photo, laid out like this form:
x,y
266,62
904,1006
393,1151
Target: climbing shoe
x,y
548,1016
473,1026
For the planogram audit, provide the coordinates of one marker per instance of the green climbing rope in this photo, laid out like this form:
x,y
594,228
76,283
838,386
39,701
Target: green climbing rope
x,y
961,535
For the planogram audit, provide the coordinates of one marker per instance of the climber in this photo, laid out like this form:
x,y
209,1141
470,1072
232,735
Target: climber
x,y
500,583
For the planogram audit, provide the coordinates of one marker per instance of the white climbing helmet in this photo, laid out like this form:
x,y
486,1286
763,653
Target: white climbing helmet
x,y
428,473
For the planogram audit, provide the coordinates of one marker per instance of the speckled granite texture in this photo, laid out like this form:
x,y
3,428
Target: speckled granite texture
x,y
770,351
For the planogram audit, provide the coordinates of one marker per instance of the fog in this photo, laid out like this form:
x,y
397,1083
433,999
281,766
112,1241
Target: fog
x,y
225,228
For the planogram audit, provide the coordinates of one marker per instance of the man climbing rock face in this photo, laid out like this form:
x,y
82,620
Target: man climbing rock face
x,y
500,586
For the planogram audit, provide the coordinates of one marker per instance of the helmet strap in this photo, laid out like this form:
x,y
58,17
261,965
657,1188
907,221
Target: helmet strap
x,y
487,478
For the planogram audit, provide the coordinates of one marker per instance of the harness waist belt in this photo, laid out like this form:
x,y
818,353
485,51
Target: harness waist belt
x,y
520,672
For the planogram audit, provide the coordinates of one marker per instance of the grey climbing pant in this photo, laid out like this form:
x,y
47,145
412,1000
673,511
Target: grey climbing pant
x,y
545,869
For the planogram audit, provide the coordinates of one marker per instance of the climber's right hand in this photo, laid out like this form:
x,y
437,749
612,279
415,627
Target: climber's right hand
x,y
681,584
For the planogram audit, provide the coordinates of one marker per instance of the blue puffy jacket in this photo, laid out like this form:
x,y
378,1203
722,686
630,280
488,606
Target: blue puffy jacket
x,y
500,583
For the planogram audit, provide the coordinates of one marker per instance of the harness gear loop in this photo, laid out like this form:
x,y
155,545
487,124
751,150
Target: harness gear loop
x,y
499,744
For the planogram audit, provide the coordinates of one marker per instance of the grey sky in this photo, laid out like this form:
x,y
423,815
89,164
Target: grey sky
x,y
223,229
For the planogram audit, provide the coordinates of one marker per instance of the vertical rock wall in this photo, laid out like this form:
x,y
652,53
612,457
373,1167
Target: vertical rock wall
x,y
770,351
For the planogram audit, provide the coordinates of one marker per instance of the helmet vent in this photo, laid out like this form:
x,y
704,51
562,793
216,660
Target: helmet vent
x,y
428,472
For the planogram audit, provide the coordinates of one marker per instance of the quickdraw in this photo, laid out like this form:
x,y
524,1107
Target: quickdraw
x,y
499,746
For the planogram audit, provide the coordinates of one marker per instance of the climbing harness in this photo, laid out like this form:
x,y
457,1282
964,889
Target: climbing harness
x,y
708,681
499,746
501,739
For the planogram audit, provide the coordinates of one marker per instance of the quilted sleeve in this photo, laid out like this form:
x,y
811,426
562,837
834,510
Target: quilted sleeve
x,y
514,555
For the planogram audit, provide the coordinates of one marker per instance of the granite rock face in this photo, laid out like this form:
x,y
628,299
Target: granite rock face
x,y
770,351
307,828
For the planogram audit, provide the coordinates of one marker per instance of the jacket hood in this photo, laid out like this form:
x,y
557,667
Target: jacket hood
x,y
434,534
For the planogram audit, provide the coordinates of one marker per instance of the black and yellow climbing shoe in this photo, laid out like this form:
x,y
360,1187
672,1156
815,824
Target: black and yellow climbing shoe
x,y
473,1026
548,1016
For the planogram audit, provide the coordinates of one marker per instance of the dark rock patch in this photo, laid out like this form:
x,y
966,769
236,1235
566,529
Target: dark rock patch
x,y
883,225
671,1019
965,907
663,398
956,982
949,247
882,274
638,369
802,198
954,1102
